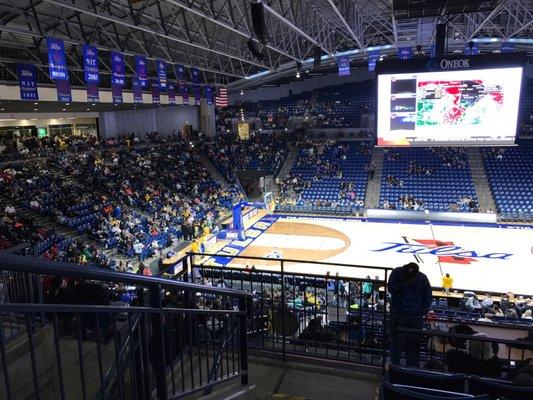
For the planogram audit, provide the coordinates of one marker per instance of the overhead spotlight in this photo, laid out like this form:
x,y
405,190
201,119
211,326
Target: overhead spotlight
x,y
241,92
298,69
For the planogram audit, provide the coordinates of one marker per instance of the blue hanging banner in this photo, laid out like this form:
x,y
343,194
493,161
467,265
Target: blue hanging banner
x,y
209,95
507,47
64,94
171,93
56,59
90,64
162,73
117,93
195,75
180,72
344,66
140,70
137,90
117,69
372,59
184,90
93,94
156,98
474,51
197,95
27,75
405,53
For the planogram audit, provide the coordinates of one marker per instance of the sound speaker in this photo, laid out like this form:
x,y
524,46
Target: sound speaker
x,y
255,49
440,40
258,21
317,57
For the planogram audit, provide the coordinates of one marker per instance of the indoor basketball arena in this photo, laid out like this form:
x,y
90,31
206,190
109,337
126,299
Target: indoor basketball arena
x,y
259,199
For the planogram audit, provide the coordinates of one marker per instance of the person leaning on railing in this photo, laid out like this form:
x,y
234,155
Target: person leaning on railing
x,y
410,301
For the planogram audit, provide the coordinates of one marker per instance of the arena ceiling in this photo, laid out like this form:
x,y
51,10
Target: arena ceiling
x,y
212,34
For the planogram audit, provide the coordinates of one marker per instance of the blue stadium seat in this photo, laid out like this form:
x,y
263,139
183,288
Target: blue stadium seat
x,y
429,379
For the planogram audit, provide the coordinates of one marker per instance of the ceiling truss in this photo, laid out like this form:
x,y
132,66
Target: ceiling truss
x,y
212,35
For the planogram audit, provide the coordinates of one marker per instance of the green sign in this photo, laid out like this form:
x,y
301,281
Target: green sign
x,y
41,132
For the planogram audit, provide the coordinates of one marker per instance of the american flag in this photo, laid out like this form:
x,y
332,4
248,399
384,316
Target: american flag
x,y
222,97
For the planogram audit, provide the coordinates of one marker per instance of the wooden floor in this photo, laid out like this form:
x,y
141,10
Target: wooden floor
x,y
295,229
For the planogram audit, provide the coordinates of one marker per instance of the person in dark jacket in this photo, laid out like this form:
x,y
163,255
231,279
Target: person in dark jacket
x,y
410,293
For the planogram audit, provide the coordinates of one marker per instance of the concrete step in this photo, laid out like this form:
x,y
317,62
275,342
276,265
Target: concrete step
x,y
214,172
481,184
373,186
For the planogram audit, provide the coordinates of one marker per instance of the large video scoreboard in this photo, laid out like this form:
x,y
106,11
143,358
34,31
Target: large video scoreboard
x,y
455,101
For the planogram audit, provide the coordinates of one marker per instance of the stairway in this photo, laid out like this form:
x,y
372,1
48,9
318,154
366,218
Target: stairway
x,y
313,99
373,186
288,163
286,168
479,178
214,172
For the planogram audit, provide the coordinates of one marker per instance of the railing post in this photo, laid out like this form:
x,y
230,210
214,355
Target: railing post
x,y
283,344
385,303
158,346
243,339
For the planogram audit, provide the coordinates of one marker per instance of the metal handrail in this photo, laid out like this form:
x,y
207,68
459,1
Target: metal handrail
x,y
80,308
289,260
508,342
289,274
14,263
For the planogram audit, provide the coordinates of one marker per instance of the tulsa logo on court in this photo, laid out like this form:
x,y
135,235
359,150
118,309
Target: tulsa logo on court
x,y
446,252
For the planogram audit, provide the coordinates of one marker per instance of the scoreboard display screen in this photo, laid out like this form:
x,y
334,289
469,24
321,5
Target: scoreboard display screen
x,y
470,107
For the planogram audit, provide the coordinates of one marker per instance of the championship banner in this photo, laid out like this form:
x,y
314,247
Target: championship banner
x,y
405,53
507,47
117,70
372,59
64,94
137,90
161,67
171,93
344,66
90,64
180,72
195,74
474,51
197,95
117,93
184,93
56,59
156,98
209,95
27,75
93,94
140,70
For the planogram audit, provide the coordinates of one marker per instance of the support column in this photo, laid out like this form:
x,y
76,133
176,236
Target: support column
x,y
207,118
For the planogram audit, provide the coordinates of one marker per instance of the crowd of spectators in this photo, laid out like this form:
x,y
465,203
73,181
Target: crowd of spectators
x,y
137,200
262,152
427,178
321,164
34,146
